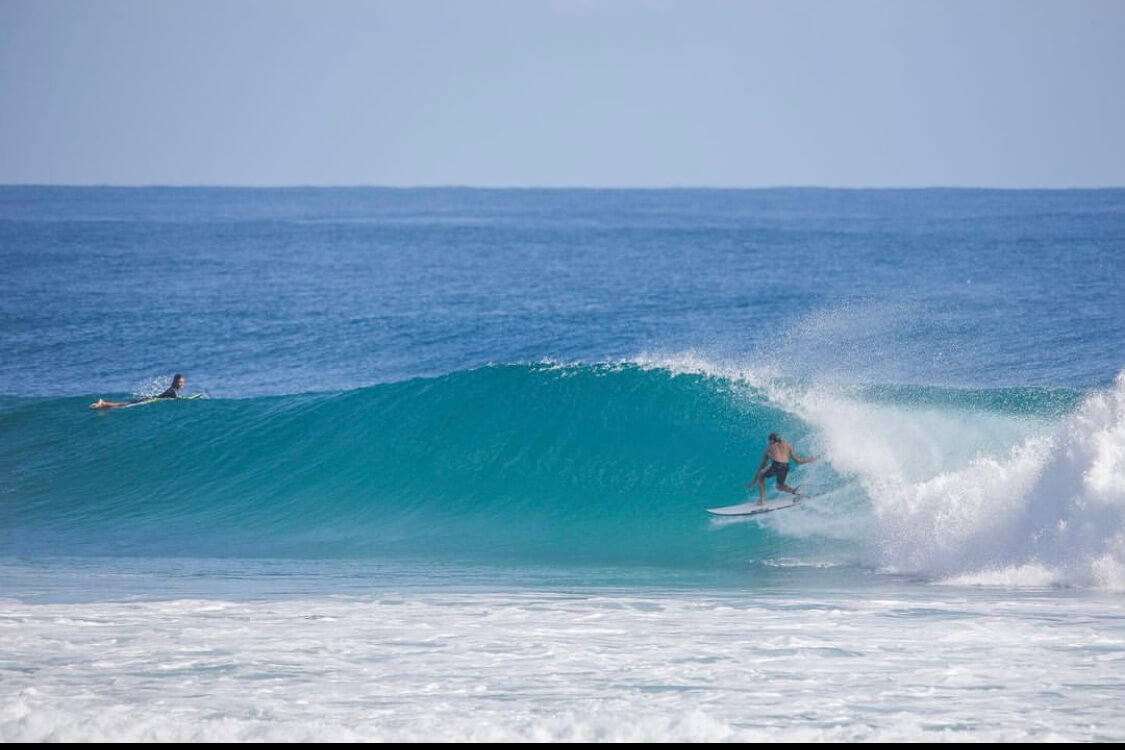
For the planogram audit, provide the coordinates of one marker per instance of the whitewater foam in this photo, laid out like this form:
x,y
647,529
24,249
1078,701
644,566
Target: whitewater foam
x,y
965,493
540,667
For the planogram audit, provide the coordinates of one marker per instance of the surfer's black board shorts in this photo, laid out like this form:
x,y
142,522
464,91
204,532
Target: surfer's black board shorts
x,y
778,470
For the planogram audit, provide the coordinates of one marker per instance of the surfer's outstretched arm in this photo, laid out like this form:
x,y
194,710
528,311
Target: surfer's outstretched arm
x,y
800,460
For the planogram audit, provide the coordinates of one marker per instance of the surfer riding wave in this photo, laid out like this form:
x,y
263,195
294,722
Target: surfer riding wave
x,y
776,457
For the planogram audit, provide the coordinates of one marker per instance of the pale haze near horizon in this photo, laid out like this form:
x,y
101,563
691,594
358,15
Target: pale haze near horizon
x,y
629,93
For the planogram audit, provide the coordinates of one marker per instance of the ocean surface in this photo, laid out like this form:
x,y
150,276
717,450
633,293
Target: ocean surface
x,y
449,481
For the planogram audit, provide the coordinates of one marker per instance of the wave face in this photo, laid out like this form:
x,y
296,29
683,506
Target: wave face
x,y
537,463
602,464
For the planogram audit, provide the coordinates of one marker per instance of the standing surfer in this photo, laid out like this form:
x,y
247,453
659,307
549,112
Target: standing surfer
x,y
777,455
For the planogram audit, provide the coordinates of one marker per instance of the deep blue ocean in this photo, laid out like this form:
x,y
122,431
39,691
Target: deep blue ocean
x,y
469,437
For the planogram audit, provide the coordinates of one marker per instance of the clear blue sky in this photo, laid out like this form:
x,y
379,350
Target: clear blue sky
x,y
613,93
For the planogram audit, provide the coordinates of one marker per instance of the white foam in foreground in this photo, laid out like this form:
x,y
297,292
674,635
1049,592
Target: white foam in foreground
x,y
940,665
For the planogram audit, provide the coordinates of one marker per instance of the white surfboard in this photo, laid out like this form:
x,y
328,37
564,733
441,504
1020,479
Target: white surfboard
x,y
155,400
752,508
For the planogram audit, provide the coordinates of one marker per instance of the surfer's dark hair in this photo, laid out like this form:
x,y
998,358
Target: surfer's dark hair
x,y
176,377
773,437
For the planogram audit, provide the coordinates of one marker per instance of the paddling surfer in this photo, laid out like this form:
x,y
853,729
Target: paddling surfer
x,y
777,456
172,392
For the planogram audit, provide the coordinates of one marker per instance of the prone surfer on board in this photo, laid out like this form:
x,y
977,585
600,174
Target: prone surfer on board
x,y
172,392
777,455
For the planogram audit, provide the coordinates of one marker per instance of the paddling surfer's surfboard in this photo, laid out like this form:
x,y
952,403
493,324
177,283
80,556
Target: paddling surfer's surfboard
x,y
155,400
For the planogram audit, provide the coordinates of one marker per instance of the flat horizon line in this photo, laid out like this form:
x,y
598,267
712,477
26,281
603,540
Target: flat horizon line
x,y
606,188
